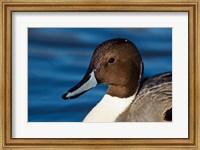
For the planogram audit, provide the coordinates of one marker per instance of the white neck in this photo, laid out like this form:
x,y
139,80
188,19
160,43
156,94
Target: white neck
x,y
108,109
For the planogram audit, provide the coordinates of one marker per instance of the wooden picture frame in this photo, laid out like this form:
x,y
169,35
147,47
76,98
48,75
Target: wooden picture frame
x,y
10,6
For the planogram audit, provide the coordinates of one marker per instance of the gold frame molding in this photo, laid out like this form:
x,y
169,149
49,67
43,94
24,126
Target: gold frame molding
x,y
9,6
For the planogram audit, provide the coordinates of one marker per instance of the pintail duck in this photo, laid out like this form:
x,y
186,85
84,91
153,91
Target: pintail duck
x,y
129,98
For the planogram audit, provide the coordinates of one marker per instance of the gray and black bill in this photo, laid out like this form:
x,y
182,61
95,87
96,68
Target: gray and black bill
x,y
89,81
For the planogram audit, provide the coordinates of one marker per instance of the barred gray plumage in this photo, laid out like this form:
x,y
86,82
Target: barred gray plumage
x,y
153,100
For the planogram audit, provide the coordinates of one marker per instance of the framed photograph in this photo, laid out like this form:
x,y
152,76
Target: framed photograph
x,y
107,75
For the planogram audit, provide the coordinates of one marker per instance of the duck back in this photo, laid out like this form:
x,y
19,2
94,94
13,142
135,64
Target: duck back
x,y
153,102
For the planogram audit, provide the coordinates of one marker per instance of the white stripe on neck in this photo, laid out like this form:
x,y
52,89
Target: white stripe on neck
x,y
108,109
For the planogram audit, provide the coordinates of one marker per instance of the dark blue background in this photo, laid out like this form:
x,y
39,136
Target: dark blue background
x,y
58,58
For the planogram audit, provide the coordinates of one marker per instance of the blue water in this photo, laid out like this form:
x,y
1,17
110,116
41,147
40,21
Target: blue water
x,y
58,58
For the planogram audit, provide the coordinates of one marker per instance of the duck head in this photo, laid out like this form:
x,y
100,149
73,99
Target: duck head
x,y
115,62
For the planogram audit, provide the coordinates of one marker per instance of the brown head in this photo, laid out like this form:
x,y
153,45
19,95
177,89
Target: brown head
x,y
115,62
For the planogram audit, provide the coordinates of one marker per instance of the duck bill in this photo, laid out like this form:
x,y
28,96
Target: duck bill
x,y
89,81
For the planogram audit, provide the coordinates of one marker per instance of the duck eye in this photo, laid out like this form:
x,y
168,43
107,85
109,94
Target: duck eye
x,y
111,60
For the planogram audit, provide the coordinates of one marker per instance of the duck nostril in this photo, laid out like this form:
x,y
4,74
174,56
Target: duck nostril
x,y
111,60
